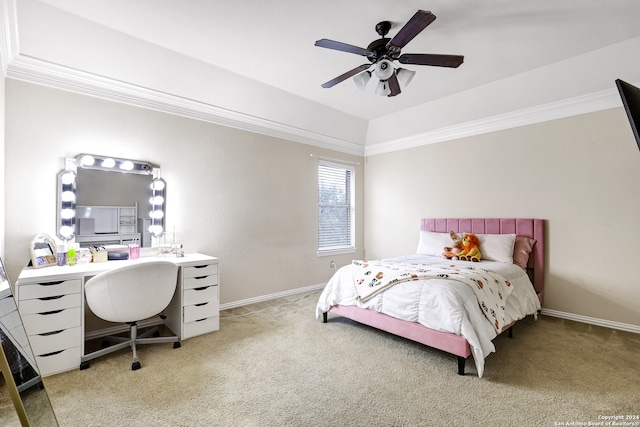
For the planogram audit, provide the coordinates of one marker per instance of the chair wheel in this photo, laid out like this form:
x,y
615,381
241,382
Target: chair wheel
x,y
135,366
177,344
84,365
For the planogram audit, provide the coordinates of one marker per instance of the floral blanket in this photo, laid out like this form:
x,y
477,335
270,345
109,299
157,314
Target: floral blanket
x,y
491,289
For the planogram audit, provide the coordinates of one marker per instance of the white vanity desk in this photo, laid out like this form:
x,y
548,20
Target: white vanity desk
x,y
51,303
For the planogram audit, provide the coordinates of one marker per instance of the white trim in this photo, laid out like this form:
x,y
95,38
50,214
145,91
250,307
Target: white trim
x,y
8,33
34,70
270,297
592,320
597,101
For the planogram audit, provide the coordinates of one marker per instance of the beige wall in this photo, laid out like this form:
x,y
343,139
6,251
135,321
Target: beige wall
x,y
581,174
250,199
246,198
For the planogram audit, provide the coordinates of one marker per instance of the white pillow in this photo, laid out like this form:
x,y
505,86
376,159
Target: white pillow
x,y
497,247
433,243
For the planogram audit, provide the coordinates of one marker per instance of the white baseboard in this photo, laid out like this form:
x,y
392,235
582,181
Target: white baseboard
x,y
269,297
592,320
545,311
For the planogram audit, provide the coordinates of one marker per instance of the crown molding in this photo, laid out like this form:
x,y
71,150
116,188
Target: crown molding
x,y
8,33
596,101
33,70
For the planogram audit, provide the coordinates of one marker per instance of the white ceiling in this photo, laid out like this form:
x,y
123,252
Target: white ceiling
x,y
272,42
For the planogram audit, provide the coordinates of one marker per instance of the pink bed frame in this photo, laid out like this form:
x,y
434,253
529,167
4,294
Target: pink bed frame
x,y
452,343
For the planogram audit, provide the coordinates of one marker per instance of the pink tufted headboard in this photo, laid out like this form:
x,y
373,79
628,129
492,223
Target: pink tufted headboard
x,y
528,227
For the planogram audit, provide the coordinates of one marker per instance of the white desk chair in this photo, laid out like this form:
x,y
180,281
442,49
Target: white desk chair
x,y
130,294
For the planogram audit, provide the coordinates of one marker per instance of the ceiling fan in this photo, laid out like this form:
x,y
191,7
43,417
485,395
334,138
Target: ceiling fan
x,y
382,52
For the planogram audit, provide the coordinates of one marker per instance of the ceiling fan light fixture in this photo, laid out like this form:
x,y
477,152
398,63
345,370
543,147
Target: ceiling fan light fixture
x,y
362,79
383,88
405,76
384,69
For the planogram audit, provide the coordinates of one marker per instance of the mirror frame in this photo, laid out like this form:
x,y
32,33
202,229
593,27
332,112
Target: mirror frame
x,y
67,185
30,398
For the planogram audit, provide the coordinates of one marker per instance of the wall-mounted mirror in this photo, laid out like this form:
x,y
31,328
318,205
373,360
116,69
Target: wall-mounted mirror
x,y
18,366
105,200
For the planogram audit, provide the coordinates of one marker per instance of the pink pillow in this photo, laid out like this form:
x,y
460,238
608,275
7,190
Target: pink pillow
x,y
522,249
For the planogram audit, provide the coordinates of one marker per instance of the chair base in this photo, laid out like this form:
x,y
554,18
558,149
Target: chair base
x,y
132,341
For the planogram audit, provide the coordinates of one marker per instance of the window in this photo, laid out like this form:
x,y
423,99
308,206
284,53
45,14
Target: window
x,y
336,210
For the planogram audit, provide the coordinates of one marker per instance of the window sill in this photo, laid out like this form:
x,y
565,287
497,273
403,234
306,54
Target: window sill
x,y
336,251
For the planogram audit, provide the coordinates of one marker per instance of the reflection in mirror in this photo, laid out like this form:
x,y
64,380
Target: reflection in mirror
x,y
17,363
110,182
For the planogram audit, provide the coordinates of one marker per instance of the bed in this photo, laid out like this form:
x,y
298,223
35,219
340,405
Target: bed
x,y
445,312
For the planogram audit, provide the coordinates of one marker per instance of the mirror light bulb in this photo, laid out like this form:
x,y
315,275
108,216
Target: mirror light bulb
x,y
66,231
127,165
87,160
67,213
68,178
157,184
108,163
68,196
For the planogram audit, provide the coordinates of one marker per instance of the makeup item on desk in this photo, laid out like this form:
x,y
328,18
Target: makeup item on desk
x,y
62,255
71,255
134,250
98,254
83,256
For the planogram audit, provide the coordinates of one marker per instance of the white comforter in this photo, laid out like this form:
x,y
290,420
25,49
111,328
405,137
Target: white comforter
x,y
441,304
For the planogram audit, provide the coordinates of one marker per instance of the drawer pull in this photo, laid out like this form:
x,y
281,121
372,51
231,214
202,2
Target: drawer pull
x,y
53,353
201,266
201,304
200,277
200,289
46,313
50,298
201,320
50,283
51,333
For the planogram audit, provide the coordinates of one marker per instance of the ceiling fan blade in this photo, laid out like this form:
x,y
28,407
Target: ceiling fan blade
x,y
345,76
412,28
394,86
452,61
330,44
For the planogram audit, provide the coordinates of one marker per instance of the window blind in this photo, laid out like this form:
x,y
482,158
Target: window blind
x,y
335,206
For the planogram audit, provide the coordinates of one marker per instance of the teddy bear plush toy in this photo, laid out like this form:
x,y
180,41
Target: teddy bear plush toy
x,y
452,252
470,248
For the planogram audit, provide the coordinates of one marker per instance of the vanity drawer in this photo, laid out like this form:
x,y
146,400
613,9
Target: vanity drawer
x,y
40,323
200,327
200,295
201,311
50,289
199,270
200,281
42,305
55,341
59,361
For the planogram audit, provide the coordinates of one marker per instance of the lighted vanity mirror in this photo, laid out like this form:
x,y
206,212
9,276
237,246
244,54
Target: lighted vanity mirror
x,y
24,385
107,200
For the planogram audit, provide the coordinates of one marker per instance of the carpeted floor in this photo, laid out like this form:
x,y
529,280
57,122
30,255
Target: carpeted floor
x,y
276,365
